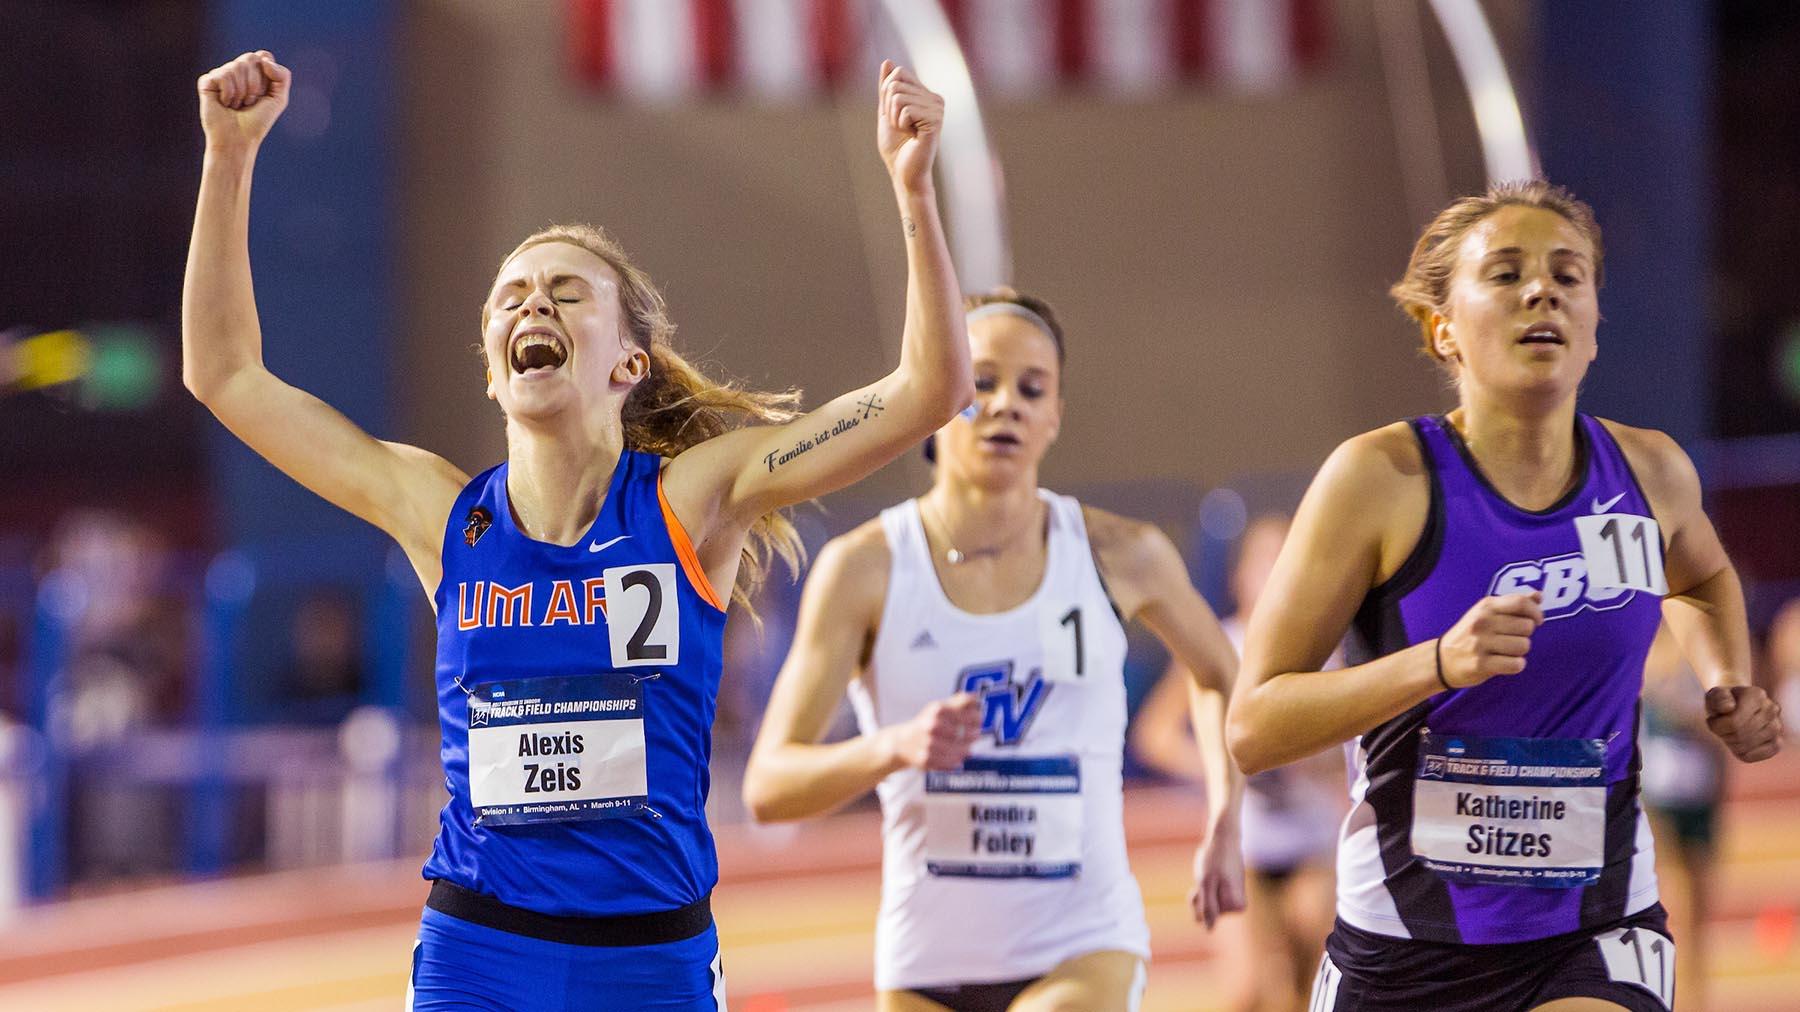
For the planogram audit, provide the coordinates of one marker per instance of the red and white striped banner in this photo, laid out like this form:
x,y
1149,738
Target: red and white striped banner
x,y
670,50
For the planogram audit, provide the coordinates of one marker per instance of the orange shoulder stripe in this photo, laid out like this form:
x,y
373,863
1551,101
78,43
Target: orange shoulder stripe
x,y
684,549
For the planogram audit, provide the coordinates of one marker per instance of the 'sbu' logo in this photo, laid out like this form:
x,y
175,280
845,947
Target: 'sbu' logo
x,y
1563,579
1007,707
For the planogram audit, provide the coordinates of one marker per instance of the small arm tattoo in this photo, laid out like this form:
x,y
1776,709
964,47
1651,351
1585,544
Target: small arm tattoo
x,y
870,405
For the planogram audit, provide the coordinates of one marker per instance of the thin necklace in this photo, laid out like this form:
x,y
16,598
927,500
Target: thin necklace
x,y
956,556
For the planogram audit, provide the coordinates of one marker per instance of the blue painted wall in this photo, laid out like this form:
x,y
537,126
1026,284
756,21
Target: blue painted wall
x,y
1621,99
321,248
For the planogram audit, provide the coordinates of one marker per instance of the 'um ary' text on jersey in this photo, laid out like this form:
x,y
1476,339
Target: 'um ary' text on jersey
x,y
486,604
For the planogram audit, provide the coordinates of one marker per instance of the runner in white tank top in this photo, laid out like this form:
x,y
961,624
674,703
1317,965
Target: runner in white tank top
x,y
1026,844
978,631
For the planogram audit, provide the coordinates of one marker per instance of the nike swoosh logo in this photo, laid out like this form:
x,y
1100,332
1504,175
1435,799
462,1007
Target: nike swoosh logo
x,y
1602,507
604,545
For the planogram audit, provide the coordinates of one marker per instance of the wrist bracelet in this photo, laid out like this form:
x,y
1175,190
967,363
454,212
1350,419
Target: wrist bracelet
x,y
1437,651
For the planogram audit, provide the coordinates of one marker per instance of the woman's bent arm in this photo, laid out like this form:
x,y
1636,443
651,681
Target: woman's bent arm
x,y
1284,708
790,775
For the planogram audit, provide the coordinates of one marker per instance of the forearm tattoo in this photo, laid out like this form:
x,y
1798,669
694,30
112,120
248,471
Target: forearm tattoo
x,y
912,227
865,408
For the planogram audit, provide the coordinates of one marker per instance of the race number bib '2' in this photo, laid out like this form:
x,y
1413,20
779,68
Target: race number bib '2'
x,y
1004,818
643,615
557,749
1511,811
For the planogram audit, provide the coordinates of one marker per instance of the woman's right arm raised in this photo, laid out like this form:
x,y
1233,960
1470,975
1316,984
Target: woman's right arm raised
x,y
403,490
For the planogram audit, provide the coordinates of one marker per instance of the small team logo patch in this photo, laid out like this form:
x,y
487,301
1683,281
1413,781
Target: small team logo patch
x,y
476,525
923,641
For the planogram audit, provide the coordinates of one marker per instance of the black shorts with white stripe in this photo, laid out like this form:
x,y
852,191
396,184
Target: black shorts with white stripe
x,y
1630,963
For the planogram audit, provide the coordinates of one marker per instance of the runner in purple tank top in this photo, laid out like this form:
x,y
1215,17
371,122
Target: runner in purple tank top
x,y
1500,572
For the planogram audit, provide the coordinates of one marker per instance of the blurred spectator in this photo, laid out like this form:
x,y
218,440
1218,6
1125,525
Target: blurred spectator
x,y
1683,787
128,652
323,679
127,633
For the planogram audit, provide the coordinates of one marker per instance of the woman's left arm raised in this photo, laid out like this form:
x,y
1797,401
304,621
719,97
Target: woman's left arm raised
x,y
723,484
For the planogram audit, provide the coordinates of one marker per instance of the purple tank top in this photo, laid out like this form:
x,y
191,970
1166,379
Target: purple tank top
x,y
1508,811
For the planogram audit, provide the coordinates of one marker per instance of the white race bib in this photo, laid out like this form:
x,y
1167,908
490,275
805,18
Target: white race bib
x,y
1005,818
1642,957
1064,642
1622,551
1511,811
643,617
557,749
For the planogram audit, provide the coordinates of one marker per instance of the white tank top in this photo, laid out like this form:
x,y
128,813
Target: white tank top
x,y
1016,862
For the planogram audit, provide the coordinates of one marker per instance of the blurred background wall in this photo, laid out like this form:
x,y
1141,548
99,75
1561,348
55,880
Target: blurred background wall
x,y
1204,247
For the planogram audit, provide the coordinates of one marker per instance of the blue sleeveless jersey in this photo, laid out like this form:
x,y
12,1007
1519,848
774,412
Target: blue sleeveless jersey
x,y
590,673
1509,811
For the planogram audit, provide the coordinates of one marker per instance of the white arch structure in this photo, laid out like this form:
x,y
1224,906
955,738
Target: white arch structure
x,y
968,173
1505,146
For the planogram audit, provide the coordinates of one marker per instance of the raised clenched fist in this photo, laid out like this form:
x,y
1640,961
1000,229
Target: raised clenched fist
x,y
241,100
1492,638
940,735
909,119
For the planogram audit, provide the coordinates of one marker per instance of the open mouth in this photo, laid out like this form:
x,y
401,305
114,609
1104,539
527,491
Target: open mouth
x,y
537,349
1005,439
1543,333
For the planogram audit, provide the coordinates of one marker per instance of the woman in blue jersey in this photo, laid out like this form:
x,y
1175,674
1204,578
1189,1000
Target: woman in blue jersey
x,y
577,585
1501,571
979,632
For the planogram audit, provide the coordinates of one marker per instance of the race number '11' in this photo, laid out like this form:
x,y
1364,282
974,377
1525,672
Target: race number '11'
x,y
1622,550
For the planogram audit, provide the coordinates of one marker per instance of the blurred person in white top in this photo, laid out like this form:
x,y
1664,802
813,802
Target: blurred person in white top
x,y
1289,823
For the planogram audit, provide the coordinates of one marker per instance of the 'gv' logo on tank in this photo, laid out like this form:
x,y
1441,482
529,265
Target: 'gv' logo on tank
x,y
1563,579
1007,706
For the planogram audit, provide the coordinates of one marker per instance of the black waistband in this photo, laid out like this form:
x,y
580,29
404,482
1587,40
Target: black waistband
x,y
627,929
